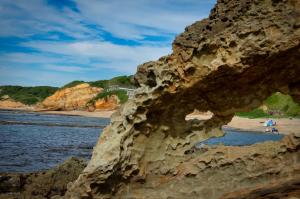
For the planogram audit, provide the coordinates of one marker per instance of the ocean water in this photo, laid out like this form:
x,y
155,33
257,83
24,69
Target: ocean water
x,y
33,142
49,141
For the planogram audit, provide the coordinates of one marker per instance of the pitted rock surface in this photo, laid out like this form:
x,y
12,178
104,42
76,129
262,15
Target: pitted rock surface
x,y
42,184
232,61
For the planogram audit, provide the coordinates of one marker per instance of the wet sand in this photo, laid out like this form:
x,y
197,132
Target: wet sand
x,y
102,114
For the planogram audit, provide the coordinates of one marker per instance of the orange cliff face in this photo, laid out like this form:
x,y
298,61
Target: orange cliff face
x,y
78,98
107,103
73,98
9,103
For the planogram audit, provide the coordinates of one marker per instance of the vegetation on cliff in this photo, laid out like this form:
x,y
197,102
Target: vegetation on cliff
x,y
121,94
72,84
27,95
121,81
33,95
277,105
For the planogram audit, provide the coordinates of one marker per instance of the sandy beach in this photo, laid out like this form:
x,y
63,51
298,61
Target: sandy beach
x,y
284,125
101,114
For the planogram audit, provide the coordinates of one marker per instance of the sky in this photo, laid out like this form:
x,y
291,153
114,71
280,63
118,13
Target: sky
x,y
53,42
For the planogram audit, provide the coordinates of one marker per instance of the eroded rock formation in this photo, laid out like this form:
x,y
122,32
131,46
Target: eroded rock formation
x,y
73,98
40,185
245,51
6,102
289,189
107,103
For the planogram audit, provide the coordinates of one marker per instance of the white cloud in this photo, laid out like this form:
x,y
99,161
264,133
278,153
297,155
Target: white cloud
x,y
64,68
23,76
28,58
100,54
22,18
132,19
90,51
136,18
85,56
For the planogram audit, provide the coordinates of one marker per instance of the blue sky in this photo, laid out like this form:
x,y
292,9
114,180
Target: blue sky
x,y
52,42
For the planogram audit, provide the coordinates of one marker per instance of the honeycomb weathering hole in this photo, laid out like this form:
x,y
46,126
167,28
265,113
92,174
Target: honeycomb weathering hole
x,y
196,114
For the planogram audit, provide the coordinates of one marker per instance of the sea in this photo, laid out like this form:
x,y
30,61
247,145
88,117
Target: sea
x,y
30,141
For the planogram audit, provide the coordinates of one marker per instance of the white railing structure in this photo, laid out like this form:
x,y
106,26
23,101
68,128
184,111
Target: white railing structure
x,y
130,91
113,88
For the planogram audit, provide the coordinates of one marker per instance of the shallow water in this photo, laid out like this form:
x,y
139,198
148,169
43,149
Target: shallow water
x,y
51,139
235,138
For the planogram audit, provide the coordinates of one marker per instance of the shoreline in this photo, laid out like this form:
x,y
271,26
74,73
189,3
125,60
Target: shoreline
x,y
284,125
98,114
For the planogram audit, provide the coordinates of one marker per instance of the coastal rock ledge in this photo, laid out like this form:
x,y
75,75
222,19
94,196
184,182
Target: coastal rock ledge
x,y
232,61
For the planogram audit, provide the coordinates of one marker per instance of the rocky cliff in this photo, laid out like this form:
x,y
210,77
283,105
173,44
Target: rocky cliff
x,y
73,98
79,97
10,103
107,103
232,61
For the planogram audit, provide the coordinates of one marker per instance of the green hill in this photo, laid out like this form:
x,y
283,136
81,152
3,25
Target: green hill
x,y
121,94
121,81
277,105
72,84
33,95
27,95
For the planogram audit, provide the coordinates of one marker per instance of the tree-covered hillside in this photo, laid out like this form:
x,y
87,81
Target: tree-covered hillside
x,y
27,95
33,95
277,105
121,81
